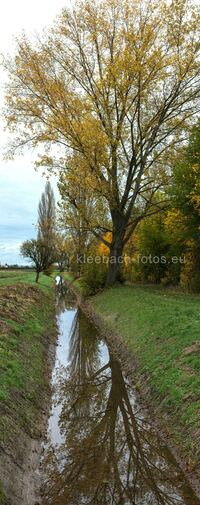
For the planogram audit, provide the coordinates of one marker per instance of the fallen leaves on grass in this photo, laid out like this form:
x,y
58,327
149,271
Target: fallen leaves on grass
x,y
15,301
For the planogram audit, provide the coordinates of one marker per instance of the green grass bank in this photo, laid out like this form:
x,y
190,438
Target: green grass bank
x,y
162,329
27,327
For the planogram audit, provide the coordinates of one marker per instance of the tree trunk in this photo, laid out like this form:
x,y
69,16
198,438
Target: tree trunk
x,y
115,265
116,260
37,276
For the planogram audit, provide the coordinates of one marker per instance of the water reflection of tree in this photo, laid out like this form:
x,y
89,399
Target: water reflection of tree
x,y
84,350
109,456
61,285
65,297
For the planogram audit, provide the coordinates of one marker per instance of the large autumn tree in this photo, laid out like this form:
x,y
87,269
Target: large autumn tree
x,y
82,209
117,83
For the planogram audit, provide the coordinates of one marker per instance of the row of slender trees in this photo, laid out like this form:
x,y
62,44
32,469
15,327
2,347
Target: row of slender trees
x,y
49,246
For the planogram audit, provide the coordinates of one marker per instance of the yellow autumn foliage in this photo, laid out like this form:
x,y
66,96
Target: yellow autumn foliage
x,y
102,248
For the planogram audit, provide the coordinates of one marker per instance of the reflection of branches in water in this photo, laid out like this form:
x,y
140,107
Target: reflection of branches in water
x,y
108,457
66,298
61,285
84,360
84,352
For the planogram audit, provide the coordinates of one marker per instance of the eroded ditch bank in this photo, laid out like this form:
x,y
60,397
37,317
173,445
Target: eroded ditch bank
x,y
27,348
102,448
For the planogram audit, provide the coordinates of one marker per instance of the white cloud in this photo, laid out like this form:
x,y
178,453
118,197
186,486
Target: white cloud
x,y
29,16
10,252
10,247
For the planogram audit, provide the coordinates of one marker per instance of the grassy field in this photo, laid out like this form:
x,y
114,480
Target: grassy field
x,y
10,277
162,328
27,326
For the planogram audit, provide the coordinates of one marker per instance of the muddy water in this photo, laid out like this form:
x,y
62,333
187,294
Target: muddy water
x,y
100,448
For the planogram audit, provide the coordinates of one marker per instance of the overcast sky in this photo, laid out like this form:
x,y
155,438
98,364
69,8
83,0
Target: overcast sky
x,y
20,185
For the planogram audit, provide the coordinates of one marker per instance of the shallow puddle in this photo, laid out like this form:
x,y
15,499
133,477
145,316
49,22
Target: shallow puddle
x,y
100,448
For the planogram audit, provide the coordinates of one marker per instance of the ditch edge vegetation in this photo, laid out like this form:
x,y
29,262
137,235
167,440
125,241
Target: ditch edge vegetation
x,y
150,401
27,349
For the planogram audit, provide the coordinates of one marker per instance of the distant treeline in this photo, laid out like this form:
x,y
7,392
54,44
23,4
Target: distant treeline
x,y
16,267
